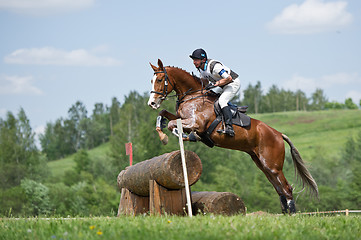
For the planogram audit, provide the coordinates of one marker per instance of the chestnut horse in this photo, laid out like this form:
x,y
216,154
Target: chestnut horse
x,y
264,144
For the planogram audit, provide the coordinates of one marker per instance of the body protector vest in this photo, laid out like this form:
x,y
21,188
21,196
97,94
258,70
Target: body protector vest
x,y
215,71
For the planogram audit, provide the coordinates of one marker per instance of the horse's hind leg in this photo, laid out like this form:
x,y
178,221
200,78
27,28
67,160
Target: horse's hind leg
x,y
273,172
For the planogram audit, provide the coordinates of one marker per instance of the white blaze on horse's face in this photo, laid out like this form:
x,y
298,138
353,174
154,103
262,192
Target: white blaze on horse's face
x,y
154,102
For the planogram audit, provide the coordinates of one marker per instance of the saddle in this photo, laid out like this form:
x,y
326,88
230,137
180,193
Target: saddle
x,y
239,118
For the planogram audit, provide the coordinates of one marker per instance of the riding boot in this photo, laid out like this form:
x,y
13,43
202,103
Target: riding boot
x,y
228,121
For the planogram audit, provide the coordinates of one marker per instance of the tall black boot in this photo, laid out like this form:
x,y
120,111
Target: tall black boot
x,y
228,121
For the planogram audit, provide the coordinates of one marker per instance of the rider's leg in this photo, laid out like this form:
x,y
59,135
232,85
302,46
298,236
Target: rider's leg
x,y
228,121
229,91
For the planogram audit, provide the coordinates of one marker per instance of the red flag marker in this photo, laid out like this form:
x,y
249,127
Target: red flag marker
x,y
129,152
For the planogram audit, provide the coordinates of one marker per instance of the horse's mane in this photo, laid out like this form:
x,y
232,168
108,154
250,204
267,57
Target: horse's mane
x,y
197,79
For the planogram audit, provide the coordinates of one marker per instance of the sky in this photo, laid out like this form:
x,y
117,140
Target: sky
x,y
56,52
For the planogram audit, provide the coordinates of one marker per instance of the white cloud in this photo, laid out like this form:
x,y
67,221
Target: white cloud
x,y
15,85
299,82
53,56
44,7
339,79
312,16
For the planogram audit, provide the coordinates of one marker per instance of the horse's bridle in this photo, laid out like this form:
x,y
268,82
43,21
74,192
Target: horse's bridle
x,y
165,92
165,87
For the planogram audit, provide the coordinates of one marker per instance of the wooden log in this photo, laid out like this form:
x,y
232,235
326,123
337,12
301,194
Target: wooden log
x,y
132,204
163,200
218,203
165,169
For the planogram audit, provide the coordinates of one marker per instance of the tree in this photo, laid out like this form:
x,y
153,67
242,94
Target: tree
x,y
288,102
58,139
319,100
98,130
78,124
82,160
301,101
272,100
352,160
350,104
19,156
38,197
114,114
334,105
48,142
253,97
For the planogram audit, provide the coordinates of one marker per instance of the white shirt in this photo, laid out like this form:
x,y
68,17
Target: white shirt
x,y
219,71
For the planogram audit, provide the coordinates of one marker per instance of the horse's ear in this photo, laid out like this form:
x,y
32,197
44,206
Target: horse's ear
x,y
160,64
154,67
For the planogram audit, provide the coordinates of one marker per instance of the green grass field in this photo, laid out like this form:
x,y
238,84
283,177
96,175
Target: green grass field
x,y
199,227
59,167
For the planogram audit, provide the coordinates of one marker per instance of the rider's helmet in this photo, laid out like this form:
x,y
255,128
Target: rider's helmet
x,y
198,54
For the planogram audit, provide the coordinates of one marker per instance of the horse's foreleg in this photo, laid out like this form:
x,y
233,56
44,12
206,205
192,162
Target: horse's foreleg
x,y
160,124
162,136
168,115
188,125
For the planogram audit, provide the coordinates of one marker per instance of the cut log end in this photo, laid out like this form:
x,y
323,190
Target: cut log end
x,y
224,203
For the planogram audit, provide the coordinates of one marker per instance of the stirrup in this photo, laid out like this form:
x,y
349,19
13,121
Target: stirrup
x,y
176,133
228,131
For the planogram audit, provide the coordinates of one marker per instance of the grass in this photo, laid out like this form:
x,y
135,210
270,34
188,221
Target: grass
x,y
59,167
173,227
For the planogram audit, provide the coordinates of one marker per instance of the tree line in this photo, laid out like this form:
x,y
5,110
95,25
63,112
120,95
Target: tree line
x,y
281,100
28,187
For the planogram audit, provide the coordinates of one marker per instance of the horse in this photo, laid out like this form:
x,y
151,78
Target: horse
x,y
195,107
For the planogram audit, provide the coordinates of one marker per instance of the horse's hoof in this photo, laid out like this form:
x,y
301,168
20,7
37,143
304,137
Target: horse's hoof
x,y
165,140
292,207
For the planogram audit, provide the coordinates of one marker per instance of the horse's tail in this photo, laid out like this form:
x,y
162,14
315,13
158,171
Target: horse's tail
x,y
301,169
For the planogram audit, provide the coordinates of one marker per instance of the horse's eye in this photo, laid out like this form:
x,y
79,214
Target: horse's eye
x,y
159,80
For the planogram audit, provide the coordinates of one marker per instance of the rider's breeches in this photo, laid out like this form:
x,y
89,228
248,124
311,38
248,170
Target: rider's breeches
x,y
228,92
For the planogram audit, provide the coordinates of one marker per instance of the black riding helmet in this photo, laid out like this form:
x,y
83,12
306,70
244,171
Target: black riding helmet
x,y
198,54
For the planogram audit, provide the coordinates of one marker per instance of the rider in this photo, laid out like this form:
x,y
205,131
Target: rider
x,y
220,76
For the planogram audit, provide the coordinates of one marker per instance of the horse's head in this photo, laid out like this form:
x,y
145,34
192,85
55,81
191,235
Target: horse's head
x,y
161,86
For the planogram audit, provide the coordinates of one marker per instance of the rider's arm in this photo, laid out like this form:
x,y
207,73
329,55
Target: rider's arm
x,y
224,81
226,78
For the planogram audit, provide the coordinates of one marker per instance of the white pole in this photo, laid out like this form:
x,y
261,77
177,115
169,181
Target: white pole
x,y
188,195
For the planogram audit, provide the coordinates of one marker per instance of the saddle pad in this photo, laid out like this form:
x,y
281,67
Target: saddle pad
x,y
238,118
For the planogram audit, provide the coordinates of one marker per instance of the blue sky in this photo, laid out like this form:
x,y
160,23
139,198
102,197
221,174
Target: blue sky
x,y
55,52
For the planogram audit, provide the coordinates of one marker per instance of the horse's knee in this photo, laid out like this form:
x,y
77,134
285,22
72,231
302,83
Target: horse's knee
x,y
171,125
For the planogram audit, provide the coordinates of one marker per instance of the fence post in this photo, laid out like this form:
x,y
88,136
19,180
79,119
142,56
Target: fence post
x,y
180,132
347,212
